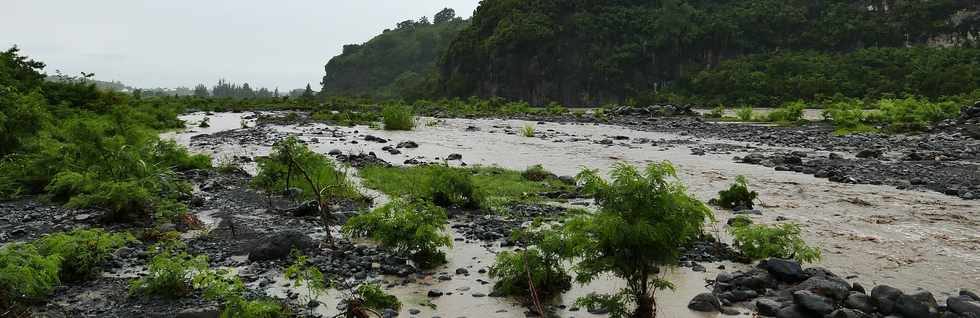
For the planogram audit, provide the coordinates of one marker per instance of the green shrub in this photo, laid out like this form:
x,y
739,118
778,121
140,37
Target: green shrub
x,y
913,114
554,108
744,113
737,197
511,272
454,188
84,250
765,241
205,123
788,113
26,275
412,228
398,117
376,298
527,131
848,117
220,285
644,220
170,274
536,173
717,112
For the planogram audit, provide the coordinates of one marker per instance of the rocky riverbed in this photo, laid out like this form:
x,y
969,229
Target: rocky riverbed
x,y
884,210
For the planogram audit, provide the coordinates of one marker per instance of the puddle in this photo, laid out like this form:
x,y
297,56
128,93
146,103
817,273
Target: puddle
x,y
919,249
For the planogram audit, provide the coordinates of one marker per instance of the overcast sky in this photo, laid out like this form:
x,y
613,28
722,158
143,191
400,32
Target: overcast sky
x,y
168,43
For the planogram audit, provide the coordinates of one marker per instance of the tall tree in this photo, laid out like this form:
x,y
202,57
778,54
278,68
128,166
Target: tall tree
x,y
308,92
446,15
201,91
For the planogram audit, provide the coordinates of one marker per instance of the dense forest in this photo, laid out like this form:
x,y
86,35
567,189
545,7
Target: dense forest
x,y
594,52
397,63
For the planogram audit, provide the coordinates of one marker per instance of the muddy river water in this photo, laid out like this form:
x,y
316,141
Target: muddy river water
x,y
870,234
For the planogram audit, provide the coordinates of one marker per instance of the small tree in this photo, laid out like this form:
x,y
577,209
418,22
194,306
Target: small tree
x,y
291,164
643,221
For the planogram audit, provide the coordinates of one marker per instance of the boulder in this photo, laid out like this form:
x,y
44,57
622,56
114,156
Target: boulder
x,y
783,269
705,302
796,311
813,302
768,307
883,297
279,245
869,153
834,288
910,307
202,312
963,306
407,144
848,313
859,301
755,279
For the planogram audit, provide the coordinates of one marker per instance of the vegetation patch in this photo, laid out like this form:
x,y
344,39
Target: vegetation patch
x,y
540,266
83,250
398,117
759,241
171,273
472,187
26,275
737,197
410,228
374,297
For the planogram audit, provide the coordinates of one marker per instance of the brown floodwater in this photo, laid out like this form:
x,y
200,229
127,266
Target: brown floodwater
x,y
872,234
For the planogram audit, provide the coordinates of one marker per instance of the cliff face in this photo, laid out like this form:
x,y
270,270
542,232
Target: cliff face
x,y
392,64
591,52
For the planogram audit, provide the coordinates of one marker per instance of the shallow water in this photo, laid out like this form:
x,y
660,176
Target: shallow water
x,y
877,234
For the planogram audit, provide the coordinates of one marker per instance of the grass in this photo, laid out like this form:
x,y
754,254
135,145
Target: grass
x,y
492,183
527,131
398,117
347,117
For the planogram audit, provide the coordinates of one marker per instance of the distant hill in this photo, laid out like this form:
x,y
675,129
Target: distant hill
x,y
594,52
397,63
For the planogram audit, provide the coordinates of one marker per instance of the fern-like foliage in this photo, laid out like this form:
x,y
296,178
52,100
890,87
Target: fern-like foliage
x,y
764,241
407,228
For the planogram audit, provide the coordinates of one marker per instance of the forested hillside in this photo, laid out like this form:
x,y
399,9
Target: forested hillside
x,y
397,63
592,52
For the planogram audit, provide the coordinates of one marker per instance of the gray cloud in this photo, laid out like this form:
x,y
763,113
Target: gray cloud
x,y
167,43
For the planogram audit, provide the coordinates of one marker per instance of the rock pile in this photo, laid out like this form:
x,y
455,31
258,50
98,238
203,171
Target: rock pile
x,y
783,289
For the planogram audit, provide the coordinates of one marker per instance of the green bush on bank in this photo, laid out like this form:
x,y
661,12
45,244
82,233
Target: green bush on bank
x,y
398,117
86,147
31,271
83,250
